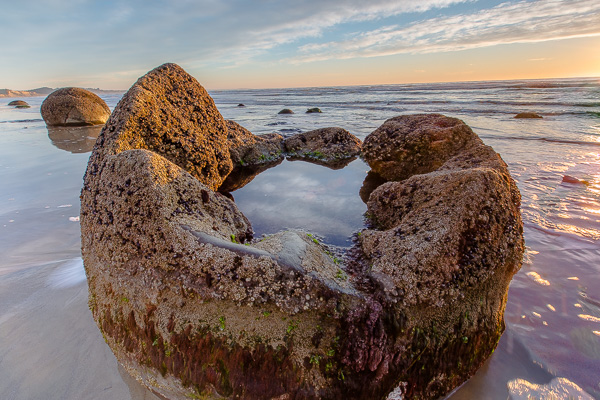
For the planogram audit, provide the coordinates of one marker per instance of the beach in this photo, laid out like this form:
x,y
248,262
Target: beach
x,y
50,347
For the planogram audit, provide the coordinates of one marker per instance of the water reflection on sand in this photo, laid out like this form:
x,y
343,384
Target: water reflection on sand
x,y
80,139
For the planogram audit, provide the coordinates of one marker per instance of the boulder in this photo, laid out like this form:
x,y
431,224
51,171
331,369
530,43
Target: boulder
x,y
193,309
325,145
73,106
444,241
18,103
285,111
168,112
414,144
313,110
247,149
529,115
241,105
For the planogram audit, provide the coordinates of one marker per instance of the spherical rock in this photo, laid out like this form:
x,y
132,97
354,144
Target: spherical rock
x,y
285,111
528,115
74,107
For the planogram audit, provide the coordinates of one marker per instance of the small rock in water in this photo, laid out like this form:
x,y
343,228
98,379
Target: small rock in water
x,y
530,115
313,110
285,111
241,105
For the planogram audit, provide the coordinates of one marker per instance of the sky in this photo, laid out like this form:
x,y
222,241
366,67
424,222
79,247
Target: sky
x,y
229,44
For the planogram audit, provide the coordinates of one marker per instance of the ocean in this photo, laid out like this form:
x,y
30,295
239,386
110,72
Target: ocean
x,y
51,349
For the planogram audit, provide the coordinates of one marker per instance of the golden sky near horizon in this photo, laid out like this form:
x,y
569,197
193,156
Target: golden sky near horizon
x,y
231,44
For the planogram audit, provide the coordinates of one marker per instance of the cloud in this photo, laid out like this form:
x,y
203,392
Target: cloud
x,y
519,22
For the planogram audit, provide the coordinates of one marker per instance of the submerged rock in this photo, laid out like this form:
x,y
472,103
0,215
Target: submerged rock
x,y
325,145
73,106
191,312
528,115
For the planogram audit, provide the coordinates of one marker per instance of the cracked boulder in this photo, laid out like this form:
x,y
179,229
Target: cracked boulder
x,y
193,308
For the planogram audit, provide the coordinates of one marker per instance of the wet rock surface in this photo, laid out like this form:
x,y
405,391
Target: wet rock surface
x,y
328,146
74,107
192,307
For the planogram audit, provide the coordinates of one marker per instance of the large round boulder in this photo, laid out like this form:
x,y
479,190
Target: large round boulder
x,y
73,106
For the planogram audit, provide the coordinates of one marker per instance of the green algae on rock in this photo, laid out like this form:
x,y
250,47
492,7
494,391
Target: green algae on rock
x,y
193,308
326,146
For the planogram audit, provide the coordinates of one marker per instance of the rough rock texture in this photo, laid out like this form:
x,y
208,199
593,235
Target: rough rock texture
x,y
445,240
247,149
168,112
414,144
74,107
325,145
18,103
529,115
191,312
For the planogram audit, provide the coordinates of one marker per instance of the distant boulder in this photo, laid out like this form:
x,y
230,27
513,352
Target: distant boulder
x,y
74,107
18,103
285,111
529,115
313,110
241,105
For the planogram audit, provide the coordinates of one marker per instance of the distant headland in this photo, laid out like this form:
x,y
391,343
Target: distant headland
x,y
44,91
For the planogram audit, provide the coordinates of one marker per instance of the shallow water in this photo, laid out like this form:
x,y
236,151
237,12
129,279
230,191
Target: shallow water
x,y
50,347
